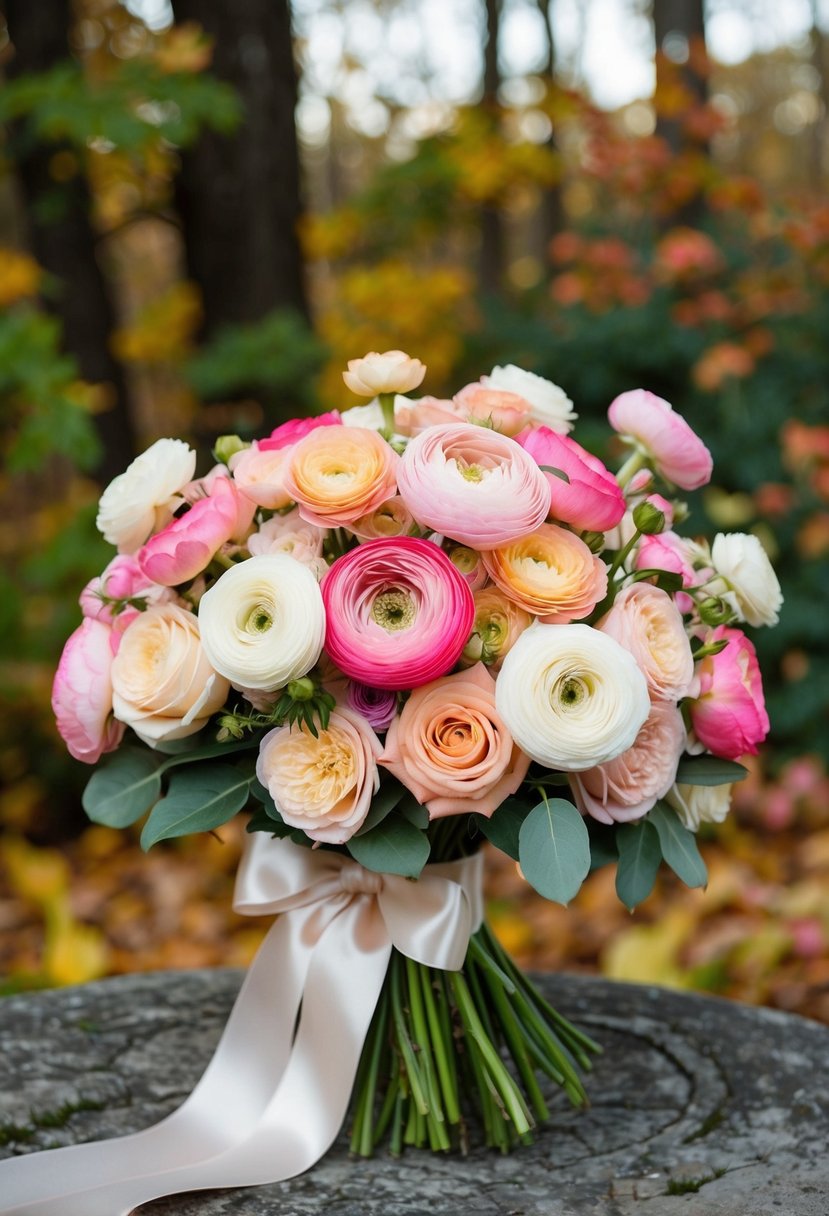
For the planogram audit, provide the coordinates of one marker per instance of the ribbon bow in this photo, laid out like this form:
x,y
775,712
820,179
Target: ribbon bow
x,y
275,1094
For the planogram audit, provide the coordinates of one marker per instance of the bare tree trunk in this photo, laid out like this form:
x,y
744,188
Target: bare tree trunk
x,y
551,211
680,20
491,270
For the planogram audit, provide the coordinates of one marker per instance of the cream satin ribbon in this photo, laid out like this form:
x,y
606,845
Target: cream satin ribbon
x,y
275,1094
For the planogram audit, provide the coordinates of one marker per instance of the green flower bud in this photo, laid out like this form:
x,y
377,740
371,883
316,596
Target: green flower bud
x,y
714,611
302,689
648,518
227,446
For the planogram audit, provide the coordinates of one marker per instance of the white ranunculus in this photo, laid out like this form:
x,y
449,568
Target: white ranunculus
x,y
263,622
752,589
571,697
392,371
550,404
133,504
369,416
696,804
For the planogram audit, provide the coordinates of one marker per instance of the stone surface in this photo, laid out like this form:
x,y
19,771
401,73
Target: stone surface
x,y
725,1103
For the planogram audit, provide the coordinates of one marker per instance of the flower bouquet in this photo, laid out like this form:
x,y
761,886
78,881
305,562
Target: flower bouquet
x,y
390,635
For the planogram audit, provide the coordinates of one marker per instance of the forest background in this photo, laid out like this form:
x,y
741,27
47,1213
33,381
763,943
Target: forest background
x,y
207,208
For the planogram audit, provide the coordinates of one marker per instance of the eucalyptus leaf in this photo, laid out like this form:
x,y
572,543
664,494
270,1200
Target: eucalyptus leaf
x,y
679,846
261,821
123,788
554,849
640,855
198,800
414,811
391,793
502,828
395,846
709,770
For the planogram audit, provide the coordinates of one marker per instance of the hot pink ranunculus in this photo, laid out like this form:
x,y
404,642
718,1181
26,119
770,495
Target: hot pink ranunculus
x,y
184,548
676,451
671,552
592,499
289,433
506,412
729,716
82,693
398,612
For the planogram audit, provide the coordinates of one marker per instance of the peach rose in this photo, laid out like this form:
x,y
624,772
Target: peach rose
x,y
498,624
450,746
646,621
338,474
550,573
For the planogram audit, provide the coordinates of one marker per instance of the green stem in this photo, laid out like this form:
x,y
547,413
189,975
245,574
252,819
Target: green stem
x,y
435,1117
443,1051
636,461
404,1043
387,406
366,1142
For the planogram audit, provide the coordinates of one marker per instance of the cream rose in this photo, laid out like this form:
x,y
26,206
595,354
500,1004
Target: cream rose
x,y
390,372
646,621
751,586
571,697
137,502
263,622
163,685
696,804
550,404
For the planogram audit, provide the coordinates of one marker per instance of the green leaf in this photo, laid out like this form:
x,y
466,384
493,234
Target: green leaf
x,y
679,846
709,770
391,792
123,788
393,847
414,811
549,468
554,849
503,826
261,821
198,800
207,751
639,857
603,849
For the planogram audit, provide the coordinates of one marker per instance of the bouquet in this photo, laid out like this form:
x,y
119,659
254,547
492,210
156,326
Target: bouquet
x,y
391,634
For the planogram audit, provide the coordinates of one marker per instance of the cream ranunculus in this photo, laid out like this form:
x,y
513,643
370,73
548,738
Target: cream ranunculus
x,y
646,621
163,685
136,503
696,804
571,697
752,589
550,404
393,371
263,623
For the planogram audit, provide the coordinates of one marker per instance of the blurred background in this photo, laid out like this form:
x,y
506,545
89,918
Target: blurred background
x,y
207,207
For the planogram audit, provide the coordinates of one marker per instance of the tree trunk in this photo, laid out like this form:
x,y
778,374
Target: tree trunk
x,y
551,211
684,19
491,266
820,125
64,242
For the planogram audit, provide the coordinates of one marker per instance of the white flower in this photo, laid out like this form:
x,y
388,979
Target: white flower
x,y
696,804
390,372
550,404
263,622
135,503
752,589
571,697
369,416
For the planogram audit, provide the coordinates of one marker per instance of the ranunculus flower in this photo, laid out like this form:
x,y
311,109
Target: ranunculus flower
x,y
398,612
729,716
335,477
203,487
628,786
377,705
452,749
122,580
550,573
696,804
137,501
289,433
504,411
592,499
497,626
185,547
292,535
411,416
470,564
668,551
550,404
571,696
323,786
82,693
751,586
163,685
645,620
260,474
472,484
390,372
391,518
263,623
665,437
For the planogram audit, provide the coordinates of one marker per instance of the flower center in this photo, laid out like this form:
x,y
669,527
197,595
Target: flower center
x,y
259,619
393,609
571,691
470,472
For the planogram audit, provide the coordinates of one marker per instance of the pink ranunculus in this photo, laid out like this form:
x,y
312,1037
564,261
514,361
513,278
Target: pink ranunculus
x,y
506,412
676,451
203,487
335,479
729,716
473,485
292,535
398,612
106,597
628,786
646,621
377,705
289,433
669,551
184,548
82,693
592,499
470,564
259,473
413,416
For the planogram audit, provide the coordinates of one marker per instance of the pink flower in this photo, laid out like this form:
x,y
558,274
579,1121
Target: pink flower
x,y
391,518
260,475
645,620
628,786
592,499
292,535
729,717
678,454
184,548
289,433
106,597
413,416
377,705
398,612
82,693
473,485
203,487
503,411
668,551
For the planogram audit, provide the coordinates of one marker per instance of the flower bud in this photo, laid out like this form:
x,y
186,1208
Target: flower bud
x,y
714,611
648,518
227,446
595,541
301,690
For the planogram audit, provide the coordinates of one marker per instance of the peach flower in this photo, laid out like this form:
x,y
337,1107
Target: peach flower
x,y
451,748
391,518
338,474
498,624
390,372
413,416
506,412
260,475
646,621
470,564
292,535
551,573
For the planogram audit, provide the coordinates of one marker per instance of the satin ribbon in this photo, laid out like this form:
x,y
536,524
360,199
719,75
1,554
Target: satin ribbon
x,y
275,1094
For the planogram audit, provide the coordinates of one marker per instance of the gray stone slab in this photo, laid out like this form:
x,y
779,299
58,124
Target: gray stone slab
x,y
726,1101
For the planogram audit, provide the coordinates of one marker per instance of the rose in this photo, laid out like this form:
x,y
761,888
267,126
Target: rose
x,y
729,716
186,545
503,411
752,589
696,804
337,478
82,693
390,372
664,437
391,518
260,475
292,535
571,696
497,626
289,433
108,597
472,484
451,748
550,573
550,404
322,785
137,501
398,612
263,623
163,685
377,705
626,787
591,498
645,620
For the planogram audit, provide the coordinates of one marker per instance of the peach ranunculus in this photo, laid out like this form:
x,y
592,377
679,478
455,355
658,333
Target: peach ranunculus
x,y
324,785
498,624
391,518
550,573
393,371
411,416
260,474
337,475
628,786
485,405
550,406
646,621
470,563
451,748
292,535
